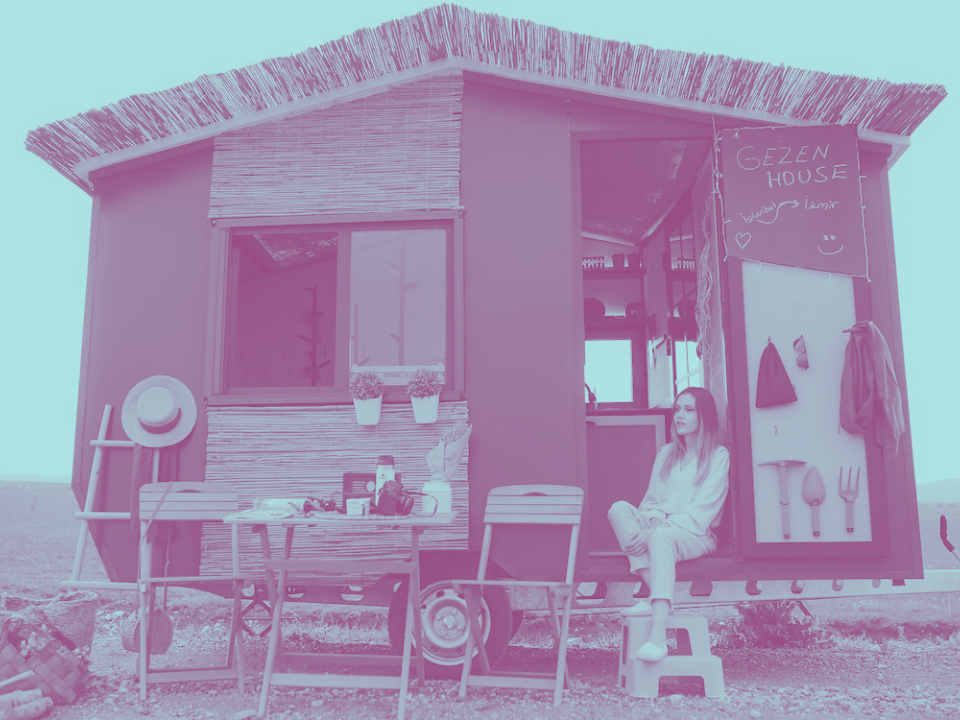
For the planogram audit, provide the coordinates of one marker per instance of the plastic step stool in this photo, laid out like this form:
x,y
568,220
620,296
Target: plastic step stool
x,y
693,659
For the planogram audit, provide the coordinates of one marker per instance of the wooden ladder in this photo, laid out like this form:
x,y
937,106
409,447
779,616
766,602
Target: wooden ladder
x,y
88,514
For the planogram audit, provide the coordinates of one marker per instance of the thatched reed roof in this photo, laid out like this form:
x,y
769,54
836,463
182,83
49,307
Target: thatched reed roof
x,y
451,36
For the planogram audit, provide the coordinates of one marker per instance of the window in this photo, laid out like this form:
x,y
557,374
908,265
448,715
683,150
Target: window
x,y
282,312
609,370
308,305
688,371
613,366
397,299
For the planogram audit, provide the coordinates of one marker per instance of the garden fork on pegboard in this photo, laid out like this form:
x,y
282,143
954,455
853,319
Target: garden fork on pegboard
x,y
849,492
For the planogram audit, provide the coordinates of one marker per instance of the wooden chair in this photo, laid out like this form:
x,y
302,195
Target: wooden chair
x,y
193,502
534,506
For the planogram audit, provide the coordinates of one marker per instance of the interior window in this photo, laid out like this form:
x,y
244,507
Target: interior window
x,y
688,371
283,310
307,306
680,262
397,299
609,370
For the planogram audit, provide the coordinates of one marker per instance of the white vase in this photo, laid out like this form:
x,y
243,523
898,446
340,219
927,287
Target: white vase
x,y
425,408
368,410
438,497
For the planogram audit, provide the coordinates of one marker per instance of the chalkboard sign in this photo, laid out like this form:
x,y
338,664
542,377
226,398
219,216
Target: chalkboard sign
x,y
791,196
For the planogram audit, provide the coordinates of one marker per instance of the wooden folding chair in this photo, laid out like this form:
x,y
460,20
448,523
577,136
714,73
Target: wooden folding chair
x,y
519,505
195,502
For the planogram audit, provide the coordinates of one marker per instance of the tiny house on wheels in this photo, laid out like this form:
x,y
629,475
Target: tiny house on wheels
x,y
568,231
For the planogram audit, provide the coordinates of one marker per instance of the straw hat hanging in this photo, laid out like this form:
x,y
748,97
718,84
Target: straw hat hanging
x,y
158,412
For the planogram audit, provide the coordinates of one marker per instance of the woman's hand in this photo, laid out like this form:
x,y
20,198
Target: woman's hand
x,y
638,545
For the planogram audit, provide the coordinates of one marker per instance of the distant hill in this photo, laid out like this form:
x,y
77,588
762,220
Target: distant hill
x,y
34,479
941,491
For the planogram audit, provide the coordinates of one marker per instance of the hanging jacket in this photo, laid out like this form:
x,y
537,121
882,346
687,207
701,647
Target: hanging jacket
x,y
869,392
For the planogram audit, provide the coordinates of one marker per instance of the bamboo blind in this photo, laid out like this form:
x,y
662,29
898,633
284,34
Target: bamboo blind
x,y
264,452
450,31
397,150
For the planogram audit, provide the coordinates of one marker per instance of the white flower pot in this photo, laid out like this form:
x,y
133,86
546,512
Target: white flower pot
x,y
368,411
425,408
437,498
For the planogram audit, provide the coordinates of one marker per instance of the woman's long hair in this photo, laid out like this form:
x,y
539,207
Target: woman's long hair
x,y
708,439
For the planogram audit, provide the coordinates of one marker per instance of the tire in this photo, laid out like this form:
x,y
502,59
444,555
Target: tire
x,y
445,625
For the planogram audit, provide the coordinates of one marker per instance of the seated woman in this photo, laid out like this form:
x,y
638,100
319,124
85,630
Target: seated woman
x,y
681,507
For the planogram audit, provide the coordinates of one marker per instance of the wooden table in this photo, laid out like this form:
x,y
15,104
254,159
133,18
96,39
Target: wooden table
x,y
276,570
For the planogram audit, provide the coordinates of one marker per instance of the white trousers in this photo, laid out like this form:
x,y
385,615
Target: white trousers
x,y
666,546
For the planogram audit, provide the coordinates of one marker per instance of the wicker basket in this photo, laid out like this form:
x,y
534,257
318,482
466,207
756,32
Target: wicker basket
x,y
29,642
72,613
58,673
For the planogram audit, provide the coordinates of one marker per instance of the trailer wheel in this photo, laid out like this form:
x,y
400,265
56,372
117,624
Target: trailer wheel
x,y
518,617
445,625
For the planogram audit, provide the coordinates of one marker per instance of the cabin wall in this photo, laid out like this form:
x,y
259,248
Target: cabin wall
x,y
901,498
621,123
146,315
522,294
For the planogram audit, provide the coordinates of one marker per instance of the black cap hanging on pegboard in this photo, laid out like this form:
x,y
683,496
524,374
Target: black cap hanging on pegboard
x,y
773,383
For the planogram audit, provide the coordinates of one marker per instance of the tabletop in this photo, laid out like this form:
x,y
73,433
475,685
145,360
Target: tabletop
x,y
261,517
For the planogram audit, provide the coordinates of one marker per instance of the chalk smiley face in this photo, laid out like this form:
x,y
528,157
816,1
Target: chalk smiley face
x,y
829,245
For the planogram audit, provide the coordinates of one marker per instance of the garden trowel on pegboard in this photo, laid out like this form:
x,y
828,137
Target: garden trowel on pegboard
x,y
783,467
814,493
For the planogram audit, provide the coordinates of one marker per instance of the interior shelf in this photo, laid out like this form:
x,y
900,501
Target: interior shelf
x,y
611,322
611,273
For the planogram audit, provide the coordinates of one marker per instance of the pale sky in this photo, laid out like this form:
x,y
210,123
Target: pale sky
x,y
62,58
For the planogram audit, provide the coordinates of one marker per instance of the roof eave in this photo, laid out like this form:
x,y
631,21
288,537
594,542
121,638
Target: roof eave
x,y
84,169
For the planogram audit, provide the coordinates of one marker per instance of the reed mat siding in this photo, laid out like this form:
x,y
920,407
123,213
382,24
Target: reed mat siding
x,y
397,150
447,33
264,452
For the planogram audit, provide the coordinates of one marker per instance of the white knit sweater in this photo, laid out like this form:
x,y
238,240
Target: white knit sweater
x,y
678,502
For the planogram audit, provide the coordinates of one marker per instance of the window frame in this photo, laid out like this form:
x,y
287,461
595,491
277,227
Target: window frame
x,y
633,333
219,308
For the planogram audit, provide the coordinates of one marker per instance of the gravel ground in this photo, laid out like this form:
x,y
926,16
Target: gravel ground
x,y
840,676
879,657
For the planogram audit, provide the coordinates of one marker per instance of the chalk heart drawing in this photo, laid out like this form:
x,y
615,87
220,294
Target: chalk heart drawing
x,y
743,239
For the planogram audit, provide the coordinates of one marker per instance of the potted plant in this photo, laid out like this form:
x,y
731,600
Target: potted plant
x,y
424,390
366,389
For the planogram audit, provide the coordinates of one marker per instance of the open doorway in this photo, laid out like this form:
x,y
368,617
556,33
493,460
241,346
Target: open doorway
x,y
639,270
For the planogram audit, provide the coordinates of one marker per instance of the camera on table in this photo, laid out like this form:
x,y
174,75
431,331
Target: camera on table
x,y
394,500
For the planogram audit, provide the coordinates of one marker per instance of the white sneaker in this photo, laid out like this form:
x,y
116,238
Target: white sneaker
x,y
641,609
649,652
